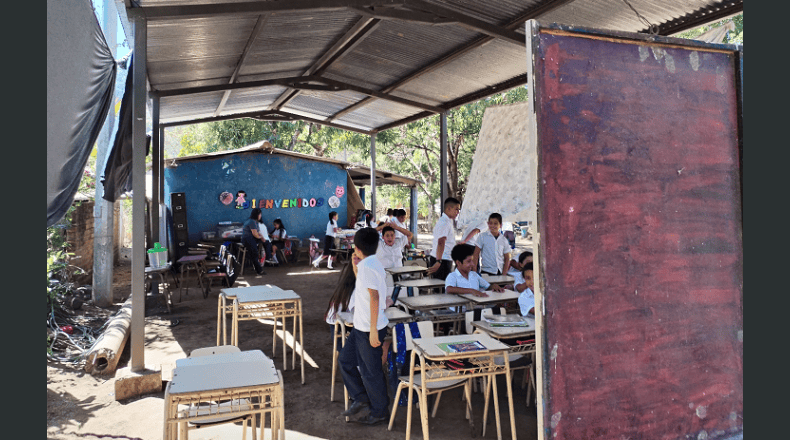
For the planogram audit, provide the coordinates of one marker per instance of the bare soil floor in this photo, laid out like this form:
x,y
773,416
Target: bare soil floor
x,y
80,405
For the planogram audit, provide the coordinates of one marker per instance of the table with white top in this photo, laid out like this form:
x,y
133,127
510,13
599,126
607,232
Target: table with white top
x,y
269,302
247,383
420,270
481,364
425,303
422,283
498,279
492,297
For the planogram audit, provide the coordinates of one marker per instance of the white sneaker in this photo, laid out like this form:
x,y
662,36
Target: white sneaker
x,y
329,266
316,261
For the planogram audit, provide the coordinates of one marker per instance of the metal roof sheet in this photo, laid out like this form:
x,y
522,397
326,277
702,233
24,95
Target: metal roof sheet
x,y
365,65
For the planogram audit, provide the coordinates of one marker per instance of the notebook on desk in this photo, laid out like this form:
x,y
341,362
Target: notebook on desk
x,y
460,347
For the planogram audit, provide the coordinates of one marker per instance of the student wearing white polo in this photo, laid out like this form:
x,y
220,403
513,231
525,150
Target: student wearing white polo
x,y
390,250
440,260
493,248
464,279
360,357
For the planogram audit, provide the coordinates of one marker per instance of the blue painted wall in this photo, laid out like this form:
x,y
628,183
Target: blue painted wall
x,y
261,176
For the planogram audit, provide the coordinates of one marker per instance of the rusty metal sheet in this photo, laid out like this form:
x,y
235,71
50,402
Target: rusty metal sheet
x,y
640,248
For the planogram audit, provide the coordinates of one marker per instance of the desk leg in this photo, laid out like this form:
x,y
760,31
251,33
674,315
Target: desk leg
x,y
285,355
487,395
510,396
220,312
423,399
301,339
234,328
492,379
274,338
293,347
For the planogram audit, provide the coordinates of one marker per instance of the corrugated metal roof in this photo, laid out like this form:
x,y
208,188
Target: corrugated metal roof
x,y
371,64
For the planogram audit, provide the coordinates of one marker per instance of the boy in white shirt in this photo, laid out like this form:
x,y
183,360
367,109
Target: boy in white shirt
x,y
360,358
493,248
464,279
440,260
525,284
390,250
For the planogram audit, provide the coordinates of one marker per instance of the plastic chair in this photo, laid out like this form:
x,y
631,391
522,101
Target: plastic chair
x,y
223,407
426,330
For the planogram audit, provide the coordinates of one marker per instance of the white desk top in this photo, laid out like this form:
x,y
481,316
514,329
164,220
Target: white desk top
x,y
234,291
429,346
396,314
245,297
498,279
427,302
243,356
493,297
213,376
506,332
405,269
423,282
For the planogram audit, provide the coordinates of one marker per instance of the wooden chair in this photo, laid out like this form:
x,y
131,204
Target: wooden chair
x,y
209,277
426,330
224,407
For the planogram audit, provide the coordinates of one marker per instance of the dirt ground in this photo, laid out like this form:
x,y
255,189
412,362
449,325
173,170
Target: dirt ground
x,y
80,405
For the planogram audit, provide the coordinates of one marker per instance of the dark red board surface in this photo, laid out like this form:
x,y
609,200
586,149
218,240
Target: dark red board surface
x,y
642,257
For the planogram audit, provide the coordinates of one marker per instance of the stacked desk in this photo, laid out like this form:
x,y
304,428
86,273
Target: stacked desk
x,y
247,382
263,302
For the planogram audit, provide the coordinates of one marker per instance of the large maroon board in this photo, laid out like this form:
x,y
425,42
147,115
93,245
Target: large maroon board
x,y
640,244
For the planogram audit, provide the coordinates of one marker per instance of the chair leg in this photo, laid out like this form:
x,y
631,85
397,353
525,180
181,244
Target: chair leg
x,y
436,404
394,406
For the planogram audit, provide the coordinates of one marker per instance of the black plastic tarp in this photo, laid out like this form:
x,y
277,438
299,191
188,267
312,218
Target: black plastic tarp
x,y
117,176
80,84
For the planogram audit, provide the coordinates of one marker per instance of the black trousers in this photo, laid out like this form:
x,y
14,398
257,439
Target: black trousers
x,y
444,269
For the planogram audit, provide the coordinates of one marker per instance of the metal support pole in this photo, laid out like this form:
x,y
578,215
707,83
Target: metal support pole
x,y
413,214
103,210
156,173
137,329
443,160
373,175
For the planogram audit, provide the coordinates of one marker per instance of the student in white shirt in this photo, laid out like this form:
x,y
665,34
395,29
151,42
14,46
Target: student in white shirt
x,y
526,300
390,250
440,260
464,279
266,243
278,235
329,240
361,357
342,299
493,248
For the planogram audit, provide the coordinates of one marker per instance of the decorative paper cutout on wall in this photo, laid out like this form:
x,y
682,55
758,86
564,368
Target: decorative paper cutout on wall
x,y
339,191
240,202
334,202
226,198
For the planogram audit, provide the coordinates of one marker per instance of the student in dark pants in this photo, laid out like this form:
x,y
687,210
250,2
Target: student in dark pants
x,y
249,238
360,358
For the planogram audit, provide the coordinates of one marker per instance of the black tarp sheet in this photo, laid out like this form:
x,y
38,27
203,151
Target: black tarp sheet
x,y
80,84
117,176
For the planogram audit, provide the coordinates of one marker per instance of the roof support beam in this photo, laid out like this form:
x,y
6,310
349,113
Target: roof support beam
x,y
345,44
299,82
472,23
154,13
454,55
255,32
280,116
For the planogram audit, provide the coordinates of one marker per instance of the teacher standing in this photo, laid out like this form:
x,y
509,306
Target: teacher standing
x,y
249,238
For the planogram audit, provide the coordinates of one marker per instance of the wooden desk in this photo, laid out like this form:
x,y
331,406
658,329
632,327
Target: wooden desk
x,y
424,303
188,263
262,302
492,298
407,270
247,381
484,366
422,283
498,279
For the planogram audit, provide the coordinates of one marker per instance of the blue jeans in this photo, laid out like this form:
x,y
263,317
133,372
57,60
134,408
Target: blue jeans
x,y
366,384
